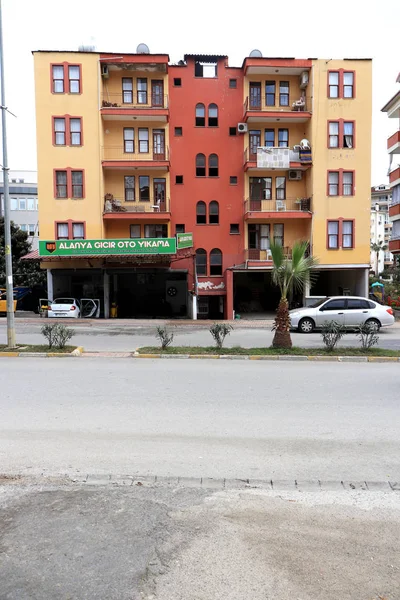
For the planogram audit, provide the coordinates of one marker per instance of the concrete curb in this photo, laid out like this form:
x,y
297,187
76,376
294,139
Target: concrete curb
x,y
207,483
283,357
77,352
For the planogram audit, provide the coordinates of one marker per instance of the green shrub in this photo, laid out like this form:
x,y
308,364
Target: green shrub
x,y
331,333
57,335
367,335
219,331
164,336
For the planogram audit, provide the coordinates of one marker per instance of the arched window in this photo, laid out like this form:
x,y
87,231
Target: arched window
x,y
216,262
213,165
200,165
201,217
212,115
201,261
213,213
200,115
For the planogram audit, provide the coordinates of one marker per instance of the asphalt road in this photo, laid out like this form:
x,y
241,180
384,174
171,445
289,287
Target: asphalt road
x,y
203,418
173,540
126,337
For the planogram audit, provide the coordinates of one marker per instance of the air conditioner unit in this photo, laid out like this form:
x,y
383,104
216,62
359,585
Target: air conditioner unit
x,y
304,80
295,175
242,127
104,71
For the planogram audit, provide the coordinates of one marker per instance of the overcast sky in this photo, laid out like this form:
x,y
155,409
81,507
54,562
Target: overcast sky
x,y
291,28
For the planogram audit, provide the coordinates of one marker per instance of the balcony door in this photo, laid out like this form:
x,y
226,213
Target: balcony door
x,y
255,95
254,143
260,189
258,236
159,194
158,144
157,93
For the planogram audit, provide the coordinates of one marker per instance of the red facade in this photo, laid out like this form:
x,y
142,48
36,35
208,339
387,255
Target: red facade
x,y
208,140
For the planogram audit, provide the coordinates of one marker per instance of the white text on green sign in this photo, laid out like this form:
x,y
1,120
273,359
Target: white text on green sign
x,y
107,247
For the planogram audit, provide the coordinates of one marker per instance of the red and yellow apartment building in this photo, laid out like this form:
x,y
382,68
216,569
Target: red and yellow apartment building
x,y
392,108
162,186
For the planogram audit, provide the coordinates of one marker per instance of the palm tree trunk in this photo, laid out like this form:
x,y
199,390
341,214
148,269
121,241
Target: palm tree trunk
x,y
282,337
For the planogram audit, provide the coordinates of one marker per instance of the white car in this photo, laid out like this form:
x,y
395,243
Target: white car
x,y
65,307
349,311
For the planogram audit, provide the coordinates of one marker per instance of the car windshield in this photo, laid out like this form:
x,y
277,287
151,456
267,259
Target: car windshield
x,y
63,301
318,303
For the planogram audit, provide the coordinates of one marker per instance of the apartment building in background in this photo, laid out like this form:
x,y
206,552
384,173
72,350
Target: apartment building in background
x,y
392,108
162,185
23,202
381,226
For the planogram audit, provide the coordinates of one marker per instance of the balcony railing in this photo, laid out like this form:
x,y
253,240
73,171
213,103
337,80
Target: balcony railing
x,y
299,156
287,204
128,100
153,153
266,256
393,139
115,205
266,103
395,201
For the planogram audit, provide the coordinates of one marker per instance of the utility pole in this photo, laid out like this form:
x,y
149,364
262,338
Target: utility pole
x,y
11,343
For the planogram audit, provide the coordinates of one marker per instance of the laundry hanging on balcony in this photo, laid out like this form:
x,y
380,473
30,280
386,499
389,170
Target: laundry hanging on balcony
x,y
273,158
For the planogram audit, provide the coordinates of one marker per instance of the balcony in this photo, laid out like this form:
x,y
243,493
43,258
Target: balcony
x,y
394,210
289,208
265,256
394,244
393,143
269,158
152,107
156,158
117,209
394,177
259,109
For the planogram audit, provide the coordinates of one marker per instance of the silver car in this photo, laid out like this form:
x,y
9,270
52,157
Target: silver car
x,y
349,311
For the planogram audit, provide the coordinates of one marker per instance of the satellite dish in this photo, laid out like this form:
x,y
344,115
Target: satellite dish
x,y
87,48
256,53
142,49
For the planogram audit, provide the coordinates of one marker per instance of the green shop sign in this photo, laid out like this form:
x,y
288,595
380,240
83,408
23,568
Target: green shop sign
x,y
108,247
185,240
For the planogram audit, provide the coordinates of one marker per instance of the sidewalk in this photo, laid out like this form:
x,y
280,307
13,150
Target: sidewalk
x,y
142,323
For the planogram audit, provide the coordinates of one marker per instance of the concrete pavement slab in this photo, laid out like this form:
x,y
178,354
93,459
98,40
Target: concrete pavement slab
x,y
175,543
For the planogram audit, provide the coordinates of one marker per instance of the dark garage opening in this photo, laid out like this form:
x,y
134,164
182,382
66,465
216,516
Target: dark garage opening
x,y
255,293
153,294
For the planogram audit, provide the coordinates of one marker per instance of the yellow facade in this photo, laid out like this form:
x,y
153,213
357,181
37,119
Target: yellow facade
x,y
314,127
87,157
103,140
357,159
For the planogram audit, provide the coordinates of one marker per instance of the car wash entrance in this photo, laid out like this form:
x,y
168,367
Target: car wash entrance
x,y
148,293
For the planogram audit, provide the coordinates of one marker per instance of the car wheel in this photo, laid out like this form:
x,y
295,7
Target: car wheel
x,y
374,324
306,325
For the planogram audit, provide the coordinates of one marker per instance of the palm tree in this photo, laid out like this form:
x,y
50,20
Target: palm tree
x,y
290,275
378,247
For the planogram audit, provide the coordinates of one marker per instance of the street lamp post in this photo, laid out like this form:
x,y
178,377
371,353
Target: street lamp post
x,y
7,225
